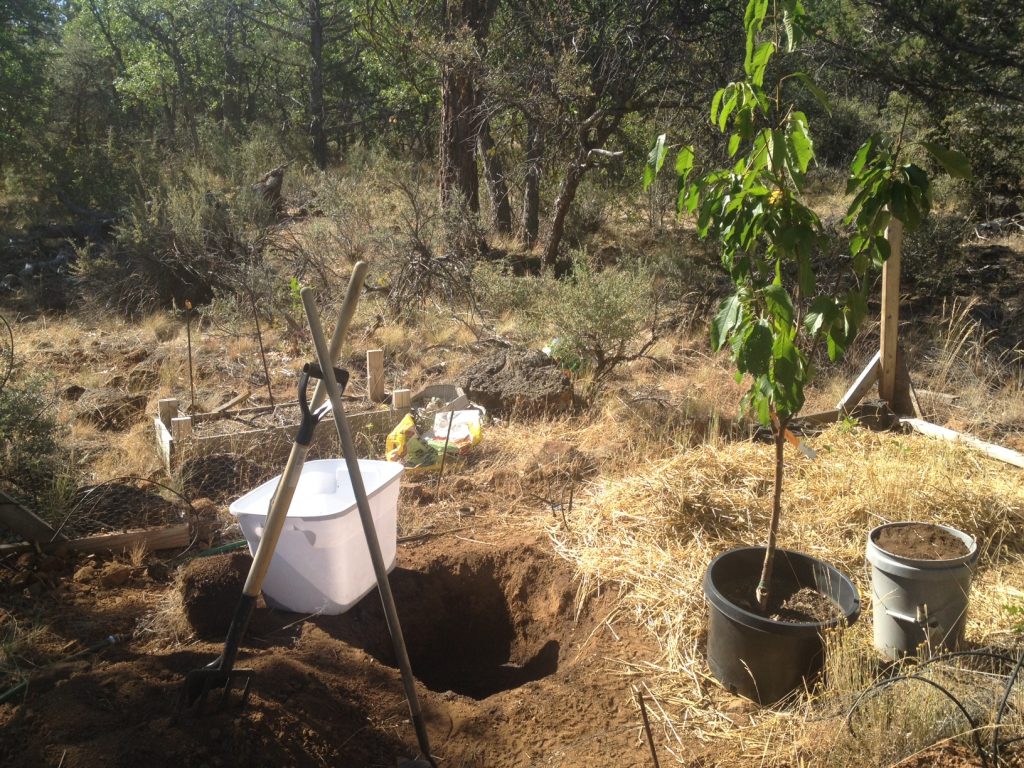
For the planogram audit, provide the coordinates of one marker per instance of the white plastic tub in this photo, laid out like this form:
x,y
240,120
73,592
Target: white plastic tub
x,y
322,563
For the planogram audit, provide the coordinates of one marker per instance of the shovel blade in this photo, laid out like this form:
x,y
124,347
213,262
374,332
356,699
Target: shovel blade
x,y
200,683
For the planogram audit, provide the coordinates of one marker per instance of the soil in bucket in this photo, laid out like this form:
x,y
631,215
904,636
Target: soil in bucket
x,y
788,601
920,541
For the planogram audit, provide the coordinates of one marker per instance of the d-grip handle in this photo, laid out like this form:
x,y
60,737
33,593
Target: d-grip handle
x,y
307,426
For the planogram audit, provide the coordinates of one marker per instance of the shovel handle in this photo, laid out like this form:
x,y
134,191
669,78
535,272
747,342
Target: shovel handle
x,y
369,529
282,498
348,310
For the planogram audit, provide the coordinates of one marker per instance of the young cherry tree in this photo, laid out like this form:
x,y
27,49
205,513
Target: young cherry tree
x,y
769,237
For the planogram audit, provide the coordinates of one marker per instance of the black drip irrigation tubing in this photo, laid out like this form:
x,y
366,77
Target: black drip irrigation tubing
x,y
988,758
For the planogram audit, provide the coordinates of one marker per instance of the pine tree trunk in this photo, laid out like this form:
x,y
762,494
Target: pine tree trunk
x,y
531,193
459,179
460,107
317,130
497,185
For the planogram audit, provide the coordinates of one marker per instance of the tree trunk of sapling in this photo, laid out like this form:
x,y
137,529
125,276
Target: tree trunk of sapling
x,y
763,593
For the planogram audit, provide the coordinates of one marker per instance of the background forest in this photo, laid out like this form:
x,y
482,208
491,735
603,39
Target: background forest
x,y
174,172
526,110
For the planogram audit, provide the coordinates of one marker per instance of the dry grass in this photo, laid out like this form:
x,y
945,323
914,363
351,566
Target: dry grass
x,y
655,529
24,646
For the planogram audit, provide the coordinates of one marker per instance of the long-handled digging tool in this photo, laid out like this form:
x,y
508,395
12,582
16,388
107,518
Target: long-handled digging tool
x,y
369,530
221,672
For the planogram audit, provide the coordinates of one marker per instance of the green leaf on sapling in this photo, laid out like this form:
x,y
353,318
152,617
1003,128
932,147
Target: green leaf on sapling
x,y
816,92
730,315
655,159
955,163
755,352
779,304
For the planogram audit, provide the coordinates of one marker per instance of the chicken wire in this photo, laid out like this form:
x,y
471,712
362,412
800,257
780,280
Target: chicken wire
x,y
123,504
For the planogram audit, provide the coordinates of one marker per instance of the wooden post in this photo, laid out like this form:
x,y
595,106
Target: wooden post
x,y
181,428
375,375
401,400
861,385
167,409
890,314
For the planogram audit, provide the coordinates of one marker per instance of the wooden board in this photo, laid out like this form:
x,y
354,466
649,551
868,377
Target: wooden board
x,y
24,522
992,450
890,314
861,384
172,451
176,536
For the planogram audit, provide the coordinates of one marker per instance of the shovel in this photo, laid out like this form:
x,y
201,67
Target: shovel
x,y
369,531
220,674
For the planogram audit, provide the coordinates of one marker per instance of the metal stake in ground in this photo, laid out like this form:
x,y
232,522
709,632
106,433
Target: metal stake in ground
x,y
444,452
259,338
369,530
188,336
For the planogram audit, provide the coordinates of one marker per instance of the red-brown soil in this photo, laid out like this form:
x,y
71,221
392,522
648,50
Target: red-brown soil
x,y
510,674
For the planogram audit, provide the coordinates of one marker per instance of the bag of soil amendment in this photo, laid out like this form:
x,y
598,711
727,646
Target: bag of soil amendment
x,y
453,433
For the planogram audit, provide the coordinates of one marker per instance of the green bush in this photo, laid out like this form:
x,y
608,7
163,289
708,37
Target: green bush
x,y
184,241
601,318
499,291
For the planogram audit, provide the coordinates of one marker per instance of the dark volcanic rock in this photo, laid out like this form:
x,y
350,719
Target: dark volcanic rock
x,y
520,381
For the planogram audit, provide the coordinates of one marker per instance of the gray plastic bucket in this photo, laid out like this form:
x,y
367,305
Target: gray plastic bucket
x,y
919,601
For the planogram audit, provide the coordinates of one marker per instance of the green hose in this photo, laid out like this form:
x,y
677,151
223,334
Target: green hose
x,y
231,546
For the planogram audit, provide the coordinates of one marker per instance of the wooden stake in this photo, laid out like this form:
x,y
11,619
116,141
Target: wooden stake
x,y
167,410
191,372
181,428
861,385
375,375
890,314
401,400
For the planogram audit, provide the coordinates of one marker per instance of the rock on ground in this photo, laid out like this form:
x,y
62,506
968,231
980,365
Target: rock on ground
x,y
518,381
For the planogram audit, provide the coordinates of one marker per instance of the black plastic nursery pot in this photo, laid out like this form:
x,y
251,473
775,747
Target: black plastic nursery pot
x,y
758,657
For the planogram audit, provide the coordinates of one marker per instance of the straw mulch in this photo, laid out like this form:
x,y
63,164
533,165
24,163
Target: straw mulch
x,y
655,531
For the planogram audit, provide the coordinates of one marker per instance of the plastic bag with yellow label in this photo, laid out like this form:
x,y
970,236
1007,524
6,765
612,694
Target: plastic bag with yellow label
x,y
454,433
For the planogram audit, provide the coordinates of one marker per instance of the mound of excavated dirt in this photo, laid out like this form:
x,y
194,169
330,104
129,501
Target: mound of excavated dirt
x,y
210,588
511,671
